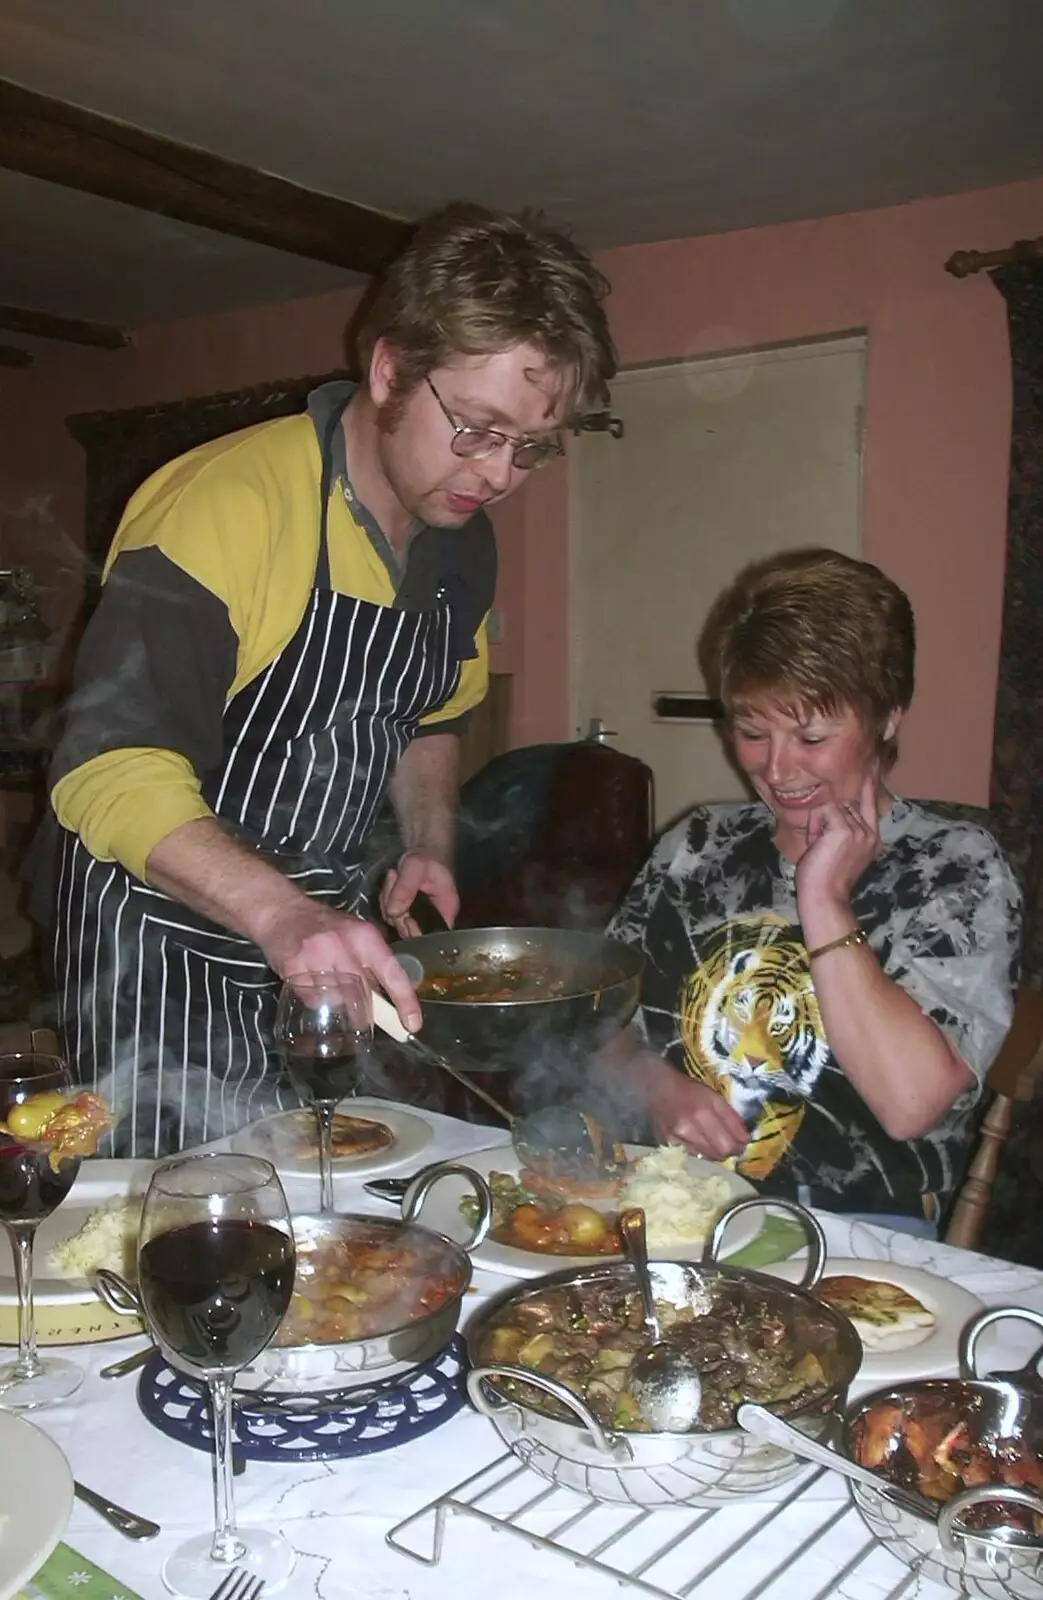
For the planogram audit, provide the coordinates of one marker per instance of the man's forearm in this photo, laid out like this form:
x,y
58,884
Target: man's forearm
x,y
205,868
424,792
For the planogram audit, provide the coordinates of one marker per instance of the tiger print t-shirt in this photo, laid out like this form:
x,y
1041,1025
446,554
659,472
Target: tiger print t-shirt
x,y
728,997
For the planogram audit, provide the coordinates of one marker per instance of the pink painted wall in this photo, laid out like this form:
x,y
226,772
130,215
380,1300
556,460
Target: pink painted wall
x,y
937,431
936,444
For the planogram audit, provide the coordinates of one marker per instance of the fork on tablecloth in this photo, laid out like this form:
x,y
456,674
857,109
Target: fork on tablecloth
x,y
239,1585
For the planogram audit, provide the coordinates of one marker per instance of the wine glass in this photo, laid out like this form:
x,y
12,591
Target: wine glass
x,y
33,1181
324,1024
216,1261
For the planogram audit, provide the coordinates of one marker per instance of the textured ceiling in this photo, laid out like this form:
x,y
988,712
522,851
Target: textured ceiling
x,y
631,120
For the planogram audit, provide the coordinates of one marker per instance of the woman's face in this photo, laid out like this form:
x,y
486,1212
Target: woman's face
x,y
799,763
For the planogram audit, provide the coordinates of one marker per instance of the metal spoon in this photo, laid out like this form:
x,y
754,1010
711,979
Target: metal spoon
x,y
769,1428
125,1522
553,1129
663,1379
120,1369
388,1021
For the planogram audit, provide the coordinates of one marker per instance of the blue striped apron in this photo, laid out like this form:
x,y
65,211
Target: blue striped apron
x,y
170,1015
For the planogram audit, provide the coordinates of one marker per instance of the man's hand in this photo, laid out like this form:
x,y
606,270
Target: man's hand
x,y
418,872
314,938
688,1113
201,865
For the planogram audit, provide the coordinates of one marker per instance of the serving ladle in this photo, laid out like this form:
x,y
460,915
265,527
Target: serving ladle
x,y
770,1429
387,1019
663,1378
553,1129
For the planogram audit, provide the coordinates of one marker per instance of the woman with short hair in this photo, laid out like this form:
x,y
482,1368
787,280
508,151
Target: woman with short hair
x,y
830,969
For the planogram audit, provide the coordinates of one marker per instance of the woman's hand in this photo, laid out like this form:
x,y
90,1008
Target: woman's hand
x,y
842,841
688,1113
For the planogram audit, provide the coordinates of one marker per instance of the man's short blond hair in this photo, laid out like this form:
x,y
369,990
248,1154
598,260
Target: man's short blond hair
x,y
813,630
475,282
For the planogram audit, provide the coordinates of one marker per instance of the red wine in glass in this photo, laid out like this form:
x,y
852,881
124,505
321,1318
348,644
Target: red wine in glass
x,y
30,1189
216,1259
324,1024
325,1069
216,1290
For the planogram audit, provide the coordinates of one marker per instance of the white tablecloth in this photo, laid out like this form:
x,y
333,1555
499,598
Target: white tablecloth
x,y
337,1513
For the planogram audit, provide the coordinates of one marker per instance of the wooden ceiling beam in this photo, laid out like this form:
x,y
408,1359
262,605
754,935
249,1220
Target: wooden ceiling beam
x,y
63,144
42,325
11,356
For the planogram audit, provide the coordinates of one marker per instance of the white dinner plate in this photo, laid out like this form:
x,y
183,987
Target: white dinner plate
x,y
275,1139
441,1211
98,1181
35,1500
920,1352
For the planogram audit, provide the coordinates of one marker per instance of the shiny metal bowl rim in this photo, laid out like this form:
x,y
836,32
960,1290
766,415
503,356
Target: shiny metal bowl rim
x,y
416,972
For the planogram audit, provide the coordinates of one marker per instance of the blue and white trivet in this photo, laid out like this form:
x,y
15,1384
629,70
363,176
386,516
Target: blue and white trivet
x,y
376,1419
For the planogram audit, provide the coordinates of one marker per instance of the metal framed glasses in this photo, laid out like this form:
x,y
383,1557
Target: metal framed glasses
x,y
476,444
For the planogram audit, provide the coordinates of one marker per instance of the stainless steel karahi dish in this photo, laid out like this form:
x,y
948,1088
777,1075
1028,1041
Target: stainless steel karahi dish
x,y
974,1446
561,1425
493,996
373,1297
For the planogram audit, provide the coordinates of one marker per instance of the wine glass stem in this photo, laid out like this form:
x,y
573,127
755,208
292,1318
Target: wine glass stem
x,y
21,1235
227,1545
324,1113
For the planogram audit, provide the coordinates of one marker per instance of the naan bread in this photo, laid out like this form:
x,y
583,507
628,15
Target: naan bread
x,y
880,1311
352,1136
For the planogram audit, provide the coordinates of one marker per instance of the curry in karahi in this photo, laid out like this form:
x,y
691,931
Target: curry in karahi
x,y
586,1336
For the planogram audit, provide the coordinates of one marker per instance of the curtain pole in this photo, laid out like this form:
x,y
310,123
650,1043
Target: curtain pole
x,y
964,262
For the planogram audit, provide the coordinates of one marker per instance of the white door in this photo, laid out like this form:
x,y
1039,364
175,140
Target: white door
x,y
721,461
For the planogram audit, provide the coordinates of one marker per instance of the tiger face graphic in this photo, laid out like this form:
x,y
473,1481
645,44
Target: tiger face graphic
x,y
751,1030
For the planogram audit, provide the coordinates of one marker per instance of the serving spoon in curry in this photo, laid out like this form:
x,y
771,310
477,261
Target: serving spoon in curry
x,y
663,1378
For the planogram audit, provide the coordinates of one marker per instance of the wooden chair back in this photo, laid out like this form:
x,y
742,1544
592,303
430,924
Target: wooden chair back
x,y
1012,1076
18,1036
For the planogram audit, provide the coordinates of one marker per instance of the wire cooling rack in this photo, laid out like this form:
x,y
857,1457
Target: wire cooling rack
x,y
805,1543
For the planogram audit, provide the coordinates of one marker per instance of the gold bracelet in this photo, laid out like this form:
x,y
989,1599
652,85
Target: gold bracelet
x,y
857,936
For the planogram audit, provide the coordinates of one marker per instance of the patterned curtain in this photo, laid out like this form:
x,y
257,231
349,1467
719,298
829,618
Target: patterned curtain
x,y
1016,796
124,447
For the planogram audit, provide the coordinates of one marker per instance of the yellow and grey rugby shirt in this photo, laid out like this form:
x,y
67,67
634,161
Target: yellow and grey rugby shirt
x,y
207,580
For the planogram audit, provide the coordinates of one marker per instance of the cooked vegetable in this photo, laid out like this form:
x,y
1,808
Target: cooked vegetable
x,y
28,1120
551,1228
679,1207
69,1125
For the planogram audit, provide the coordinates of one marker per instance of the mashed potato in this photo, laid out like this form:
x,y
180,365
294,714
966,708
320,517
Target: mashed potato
x,y
680,1209
108,1238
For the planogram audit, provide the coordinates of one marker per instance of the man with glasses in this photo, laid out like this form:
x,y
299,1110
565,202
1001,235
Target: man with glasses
x,y
292,627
